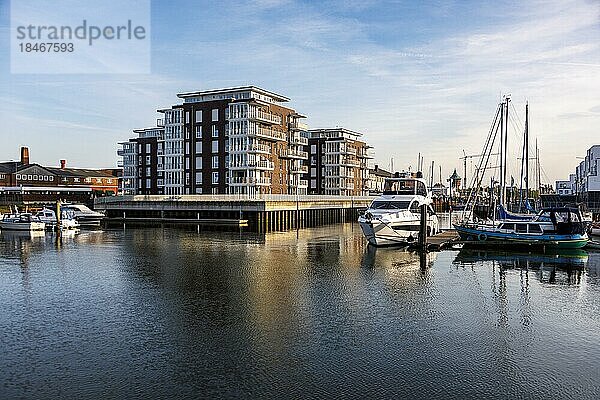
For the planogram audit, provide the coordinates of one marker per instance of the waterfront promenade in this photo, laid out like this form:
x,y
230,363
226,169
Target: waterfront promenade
x,y
264,212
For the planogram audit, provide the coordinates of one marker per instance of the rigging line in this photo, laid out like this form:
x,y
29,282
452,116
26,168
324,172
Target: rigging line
x,y
487,149
489,145
517,115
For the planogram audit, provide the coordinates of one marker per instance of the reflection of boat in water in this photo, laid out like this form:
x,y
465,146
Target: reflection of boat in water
x,y
405,260
11,235
565,266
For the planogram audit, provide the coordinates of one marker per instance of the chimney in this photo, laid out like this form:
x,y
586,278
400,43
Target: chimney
x,y
63,164
376,167
25,155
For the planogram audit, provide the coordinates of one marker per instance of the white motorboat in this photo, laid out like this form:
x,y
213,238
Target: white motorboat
x,y
21,222
394,218
67,219
84,215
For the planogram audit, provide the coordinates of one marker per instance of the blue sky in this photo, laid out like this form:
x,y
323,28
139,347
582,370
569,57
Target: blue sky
x,y
412,76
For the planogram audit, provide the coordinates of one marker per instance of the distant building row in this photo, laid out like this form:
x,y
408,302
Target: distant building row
x,y
242,140
22,181
585,181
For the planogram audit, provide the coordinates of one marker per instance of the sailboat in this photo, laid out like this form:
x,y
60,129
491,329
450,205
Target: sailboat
x,y
550,228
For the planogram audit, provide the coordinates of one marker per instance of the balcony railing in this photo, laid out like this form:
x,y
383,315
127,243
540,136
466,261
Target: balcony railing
x,y
298,126
299,140
243,181
303,169
265,117
262,164
303,155
252,148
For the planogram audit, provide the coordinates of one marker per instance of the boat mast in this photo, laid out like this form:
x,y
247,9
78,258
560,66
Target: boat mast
x,y
500,191
504,151
526,156
539,169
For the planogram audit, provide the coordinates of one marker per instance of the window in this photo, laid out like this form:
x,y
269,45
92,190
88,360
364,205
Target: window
x,y
147,159
313,183
148,171
215,114
215,131
313,172
198,190
198,131
198,162
198,178
215,146
215,177
215,161
198,116
535,228
148,183
390,205
510,227
147,147
198,147
187,163
51,178
187,116
521,228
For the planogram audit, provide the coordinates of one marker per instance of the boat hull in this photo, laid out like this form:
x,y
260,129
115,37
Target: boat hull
x,y
489,238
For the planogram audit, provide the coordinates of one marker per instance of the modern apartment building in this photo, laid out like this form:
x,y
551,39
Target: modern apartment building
x,y
338,163
241,140
142,162
584,184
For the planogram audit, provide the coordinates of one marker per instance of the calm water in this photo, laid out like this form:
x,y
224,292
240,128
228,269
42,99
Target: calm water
x,y
165,313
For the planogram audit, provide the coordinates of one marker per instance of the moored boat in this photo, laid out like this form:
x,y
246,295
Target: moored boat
x,y
552,228
394,217
84,215
21,222
67,219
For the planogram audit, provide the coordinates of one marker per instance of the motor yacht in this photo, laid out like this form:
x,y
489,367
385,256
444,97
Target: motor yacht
x,y
394,217
67,219
21,222
84,215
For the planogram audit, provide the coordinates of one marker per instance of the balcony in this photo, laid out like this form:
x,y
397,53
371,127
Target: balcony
x,y
269,134
303,169
347,150
252,148
298,126
299,140
262,165
244,181
350,163
298,154
260,132
265,117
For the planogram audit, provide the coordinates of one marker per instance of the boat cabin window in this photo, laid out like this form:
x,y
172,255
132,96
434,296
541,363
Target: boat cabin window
x,y
406,187
510,227
521,228
390,205
535,228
